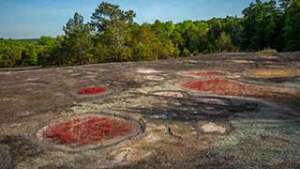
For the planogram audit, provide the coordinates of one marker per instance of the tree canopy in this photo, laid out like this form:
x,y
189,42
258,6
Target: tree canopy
x,y
113,36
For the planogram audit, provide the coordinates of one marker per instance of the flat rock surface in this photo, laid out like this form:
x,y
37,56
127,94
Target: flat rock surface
x,y
178,127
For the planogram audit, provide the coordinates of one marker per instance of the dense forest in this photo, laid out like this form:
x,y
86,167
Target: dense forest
x,y
113,36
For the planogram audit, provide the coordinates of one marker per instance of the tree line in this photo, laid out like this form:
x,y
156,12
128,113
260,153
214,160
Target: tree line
x,y
113,36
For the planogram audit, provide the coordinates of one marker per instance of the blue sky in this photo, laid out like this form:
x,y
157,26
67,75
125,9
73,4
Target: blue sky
x,y
33,18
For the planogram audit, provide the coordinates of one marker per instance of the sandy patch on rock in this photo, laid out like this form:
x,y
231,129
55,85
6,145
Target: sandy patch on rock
x,y
213,128
32,79
152,138
193,61
6,99
272,73
154,78
242,61
182,131
169,94
123,156
127,155
147,71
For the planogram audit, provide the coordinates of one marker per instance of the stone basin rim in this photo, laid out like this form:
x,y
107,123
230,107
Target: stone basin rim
x,y
138,129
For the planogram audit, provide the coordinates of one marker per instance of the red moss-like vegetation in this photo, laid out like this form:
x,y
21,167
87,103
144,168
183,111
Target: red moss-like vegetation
x,y
205,74
223,87
92,90
88,130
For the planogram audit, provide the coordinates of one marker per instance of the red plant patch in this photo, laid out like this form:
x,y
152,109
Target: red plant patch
x,y
204,74
88,130
92,90
223,87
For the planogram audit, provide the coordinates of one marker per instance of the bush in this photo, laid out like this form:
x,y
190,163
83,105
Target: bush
x,y
186,53
267,52
9,56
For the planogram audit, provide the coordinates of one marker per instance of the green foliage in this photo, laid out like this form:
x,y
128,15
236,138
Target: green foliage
x,y
9,56
224,43
46,41
261,24
112,36
267,52
145,43
108,16
292,27
112,30
285,4
76,46
186,52
19,53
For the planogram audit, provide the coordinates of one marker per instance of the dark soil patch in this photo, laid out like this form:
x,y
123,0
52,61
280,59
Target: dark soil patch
x,y
201,161
20,146
14,149
275,79
52,166
6,160
197,108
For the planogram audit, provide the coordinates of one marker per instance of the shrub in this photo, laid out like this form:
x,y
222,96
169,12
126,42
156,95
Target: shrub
x,y
267,52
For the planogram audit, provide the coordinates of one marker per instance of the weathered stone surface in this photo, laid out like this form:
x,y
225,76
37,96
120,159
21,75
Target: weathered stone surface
x,y
6,159
20,146
53,166
181,128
